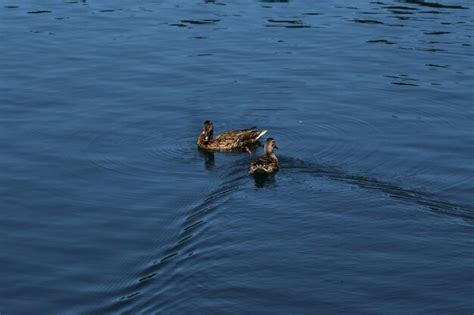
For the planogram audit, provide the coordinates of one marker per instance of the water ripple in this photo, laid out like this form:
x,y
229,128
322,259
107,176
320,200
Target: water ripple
x,y
166,268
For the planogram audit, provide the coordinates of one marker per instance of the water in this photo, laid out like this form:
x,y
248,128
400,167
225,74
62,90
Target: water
x,y
108,207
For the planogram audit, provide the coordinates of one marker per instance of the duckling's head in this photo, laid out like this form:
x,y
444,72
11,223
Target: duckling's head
x,y
270,145
207,131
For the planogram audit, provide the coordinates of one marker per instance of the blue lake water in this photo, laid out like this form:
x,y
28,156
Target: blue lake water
x,y
108,207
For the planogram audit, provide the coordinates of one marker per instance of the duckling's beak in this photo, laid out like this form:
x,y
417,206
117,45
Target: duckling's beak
x,y
275,147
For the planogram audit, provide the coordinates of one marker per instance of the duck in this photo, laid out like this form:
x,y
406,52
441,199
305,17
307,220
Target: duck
x,y
228,140
268,163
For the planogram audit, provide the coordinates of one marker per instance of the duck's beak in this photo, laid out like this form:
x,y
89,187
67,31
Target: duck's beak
x,y
275,147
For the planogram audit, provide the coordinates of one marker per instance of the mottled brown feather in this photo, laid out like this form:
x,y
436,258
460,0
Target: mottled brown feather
x,y
264,165
268,163
231,140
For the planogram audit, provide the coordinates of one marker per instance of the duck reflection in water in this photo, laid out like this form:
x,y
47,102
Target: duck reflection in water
x,y
263,179
209,158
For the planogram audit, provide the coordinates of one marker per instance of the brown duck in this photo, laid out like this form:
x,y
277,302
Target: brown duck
x,y
229,140
268,163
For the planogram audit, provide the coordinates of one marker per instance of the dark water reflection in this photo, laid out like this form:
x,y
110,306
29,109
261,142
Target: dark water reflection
x,y
209,158
109,207
261,180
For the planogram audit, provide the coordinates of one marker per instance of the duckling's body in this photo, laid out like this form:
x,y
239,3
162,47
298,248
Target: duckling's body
x,y
229,140
268,163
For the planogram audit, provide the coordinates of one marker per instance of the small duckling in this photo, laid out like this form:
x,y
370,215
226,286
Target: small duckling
x,y
268,163
229,140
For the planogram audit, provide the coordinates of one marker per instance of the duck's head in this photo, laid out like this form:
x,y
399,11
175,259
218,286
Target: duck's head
x,y
270,145
207,131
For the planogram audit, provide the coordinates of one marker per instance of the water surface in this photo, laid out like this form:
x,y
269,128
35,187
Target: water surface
x,y
108,207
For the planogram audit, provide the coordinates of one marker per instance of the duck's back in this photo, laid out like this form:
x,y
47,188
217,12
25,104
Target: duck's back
x,y
242,135
238,138
264,165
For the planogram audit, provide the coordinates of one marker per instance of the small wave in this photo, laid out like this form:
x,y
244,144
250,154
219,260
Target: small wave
x,y
391,190
39,12
381,41
435,4
200,22
368,21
